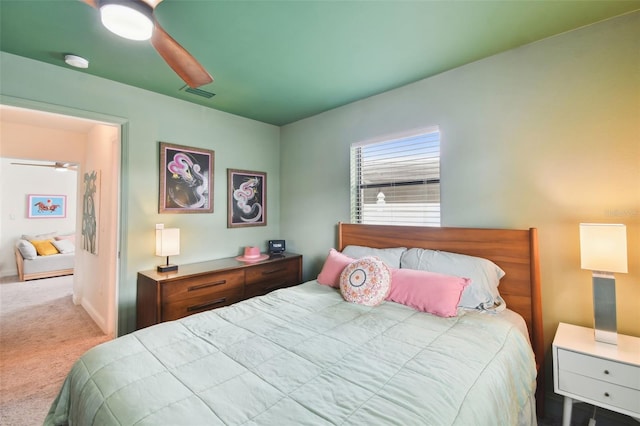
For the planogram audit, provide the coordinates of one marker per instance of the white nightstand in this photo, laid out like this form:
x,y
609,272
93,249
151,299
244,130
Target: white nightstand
x,y
596,373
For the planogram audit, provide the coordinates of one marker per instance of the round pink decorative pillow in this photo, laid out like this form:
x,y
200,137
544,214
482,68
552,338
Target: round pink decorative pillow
x,y
366,281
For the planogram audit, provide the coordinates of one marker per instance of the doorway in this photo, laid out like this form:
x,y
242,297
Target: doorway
x,y
49,132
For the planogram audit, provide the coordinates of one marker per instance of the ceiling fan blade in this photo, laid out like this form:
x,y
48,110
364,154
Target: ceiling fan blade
x,y
176,56
181,61
31,164
151,3
69,166
57,165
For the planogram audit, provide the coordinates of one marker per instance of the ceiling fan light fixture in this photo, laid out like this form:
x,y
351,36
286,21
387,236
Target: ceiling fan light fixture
x,y
131,20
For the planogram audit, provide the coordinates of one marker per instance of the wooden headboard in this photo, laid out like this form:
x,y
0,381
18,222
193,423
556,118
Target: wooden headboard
x,y
515,251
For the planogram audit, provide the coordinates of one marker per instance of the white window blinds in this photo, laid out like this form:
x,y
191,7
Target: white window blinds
x,y
397,182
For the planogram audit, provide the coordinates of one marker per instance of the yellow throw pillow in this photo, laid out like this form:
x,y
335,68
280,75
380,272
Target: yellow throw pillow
x,y
44,247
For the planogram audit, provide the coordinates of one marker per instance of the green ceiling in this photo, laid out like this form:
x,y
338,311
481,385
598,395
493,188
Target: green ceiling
x,y
280,61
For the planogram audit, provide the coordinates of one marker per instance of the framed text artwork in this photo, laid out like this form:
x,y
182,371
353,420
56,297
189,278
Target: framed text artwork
x,y
186,179
46,206
247,198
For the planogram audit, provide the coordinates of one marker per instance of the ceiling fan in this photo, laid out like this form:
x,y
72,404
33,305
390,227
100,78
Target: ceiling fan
x,y
134,19
57,165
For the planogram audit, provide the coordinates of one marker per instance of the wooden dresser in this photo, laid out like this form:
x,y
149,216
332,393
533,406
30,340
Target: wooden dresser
x,y
198,287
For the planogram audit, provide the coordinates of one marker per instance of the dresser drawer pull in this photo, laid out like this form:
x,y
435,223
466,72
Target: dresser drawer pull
x,y
201,286
273,271
606,394
206,305
606,372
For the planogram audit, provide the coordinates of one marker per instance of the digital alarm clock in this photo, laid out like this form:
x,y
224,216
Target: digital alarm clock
x,y
276,246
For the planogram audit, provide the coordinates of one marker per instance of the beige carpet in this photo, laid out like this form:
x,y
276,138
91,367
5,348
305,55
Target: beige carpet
x,y
42,333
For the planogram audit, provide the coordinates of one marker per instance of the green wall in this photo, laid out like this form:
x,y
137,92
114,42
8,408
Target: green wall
x,y
149,118
546,136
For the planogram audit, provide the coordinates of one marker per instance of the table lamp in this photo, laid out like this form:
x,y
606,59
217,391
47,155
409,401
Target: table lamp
x,y
603,250
167,244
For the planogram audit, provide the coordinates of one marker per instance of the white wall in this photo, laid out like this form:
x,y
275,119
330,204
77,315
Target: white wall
x,y
95,281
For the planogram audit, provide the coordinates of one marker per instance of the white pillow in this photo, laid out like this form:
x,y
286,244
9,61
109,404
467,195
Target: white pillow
x,y
485,275
27,250
390,256
64,246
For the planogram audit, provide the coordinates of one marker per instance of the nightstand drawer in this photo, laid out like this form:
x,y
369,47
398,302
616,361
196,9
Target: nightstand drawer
x,y
600,369
597,390
203,287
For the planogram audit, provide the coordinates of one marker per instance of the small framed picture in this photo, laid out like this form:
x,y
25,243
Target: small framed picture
x,y
247,198
46,206
186,179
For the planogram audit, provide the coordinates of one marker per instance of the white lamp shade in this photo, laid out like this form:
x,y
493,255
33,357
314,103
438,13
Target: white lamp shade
x,y
603,247
167,242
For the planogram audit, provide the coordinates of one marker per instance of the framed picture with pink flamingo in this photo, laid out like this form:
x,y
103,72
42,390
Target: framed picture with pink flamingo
x,y
186,179
247,198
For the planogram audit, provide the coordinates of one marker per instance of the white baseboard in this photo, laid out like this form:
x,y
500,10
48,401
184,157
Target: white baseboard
x,y
97,318
9,273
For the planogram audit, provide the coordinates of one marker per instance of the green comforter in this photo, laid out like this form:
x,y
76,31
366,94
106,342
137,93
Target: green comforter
x,y
305,356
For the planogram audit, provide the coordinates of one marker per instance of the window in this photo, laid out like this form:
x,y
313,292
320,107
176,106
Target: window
x,y
397,182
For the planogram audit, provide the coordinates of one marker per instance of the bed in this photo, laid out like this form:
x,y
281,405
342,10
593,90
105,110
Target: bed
x,y
304,355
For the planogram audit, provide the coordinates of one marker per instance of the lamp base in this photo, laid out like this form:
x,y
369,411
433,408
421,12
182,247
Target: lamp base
x,y
606,337
167,268
604,308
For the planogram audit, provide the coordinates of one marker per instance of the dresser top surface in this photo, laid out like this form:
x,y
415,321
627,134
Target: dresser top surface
x,y
216,265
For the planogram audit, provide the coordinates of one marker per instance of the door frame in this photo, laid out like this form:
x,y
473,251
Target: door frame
x,y
120,251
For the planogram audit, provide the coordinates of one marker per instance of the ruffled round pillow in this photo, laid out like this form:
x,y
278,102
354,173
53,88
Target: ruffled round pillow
x,y
366,281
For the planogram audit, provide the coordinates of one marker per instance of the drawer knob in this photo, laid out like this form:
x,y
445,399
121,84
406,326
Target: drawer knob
x,y
606,371
606,394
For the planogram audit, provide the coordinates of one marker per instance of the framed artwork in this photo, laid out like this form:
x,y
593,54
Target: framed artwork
x,y
90,210
186,179
247,198
46,206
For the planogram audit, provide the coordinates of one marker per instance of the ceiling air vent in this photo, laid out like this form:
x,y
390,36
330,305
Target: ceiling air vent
x,y
198,92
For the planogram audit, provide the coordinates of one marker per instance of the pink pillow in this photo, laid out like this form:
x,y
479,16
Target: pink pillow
x,y
333,267
366,281
426,291
70,237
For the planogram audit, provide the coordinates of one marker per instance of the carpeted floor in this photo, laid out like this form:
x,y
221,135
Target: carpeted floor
x,y
42,333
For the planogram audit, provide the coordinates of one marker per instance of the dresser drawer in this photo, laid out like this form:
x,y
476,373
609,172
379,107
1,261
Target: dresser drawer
x,y
176,309
600,391
600,369
262,279
202,287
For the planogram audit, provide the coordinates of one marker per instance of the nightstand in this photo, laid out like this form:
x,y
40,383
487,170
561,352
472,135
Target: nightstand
x,y
600,374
